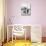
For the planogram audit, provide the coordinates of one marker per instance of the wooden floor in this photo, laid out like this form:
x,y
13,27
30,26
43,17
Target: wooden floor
x,y
18,43
23,43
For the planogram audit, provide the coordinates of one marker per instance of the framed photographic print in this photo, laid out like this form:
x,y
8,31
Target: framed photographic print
x,y
26,10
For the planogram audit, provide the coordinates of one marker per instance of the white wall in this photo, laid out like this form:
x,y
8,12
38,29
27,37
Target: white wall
x,y
38,13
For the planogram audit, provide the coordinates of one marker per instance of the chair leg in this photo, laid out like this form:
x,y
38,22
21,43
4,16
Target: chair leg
x,y
25,36
15,38
12,37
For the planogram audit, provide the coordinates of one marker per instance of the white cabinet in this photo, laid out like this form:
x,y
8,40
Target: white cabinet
x,y
36,33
